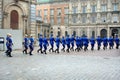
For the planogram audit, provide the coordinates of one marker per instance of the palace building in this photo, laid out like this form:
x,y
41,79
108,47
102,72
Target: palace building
x,y
62,17
81,17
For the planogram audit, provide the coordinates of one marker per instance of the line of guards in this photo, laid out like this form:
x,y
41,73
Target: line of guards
x,y
70,42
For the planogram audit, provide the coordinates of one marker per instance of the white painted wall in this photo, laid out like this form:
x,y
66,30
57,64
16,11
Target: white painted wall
x,y
17,38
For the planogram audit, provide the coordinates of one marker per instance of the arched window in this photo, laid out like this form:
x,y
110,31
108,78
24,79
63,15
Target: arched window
x,y
93,34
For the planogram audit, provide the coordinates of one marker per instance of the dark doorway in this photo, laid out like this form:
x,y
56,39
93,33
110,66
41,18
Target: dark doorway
x,y
103,33
74,33
58,33
114,31
14,20
66,33
93,34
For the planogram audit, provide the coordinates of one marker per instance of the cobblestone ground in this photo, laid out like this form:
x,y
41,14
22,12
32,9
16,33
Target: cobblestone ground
x,y
89,65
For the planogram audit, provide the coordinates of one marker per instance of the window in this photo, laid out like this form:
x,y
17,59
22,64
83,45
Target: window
x,y
74,19
93,19
52,12
59,20
45,20
66,11
39,12
58,11
45,12
66,20
52,21
104,8
83,19
103,18
115,19
115,7
94,8
84,8
74,10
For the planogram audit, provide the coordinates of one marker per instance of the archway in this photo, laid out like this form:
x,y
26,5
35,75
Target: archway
x,y
93,34
114,31
59,33
14,19
66,33
103,33
74,33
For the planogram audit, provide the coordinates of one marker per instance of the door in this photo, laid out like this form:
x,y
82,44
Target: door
x,y
114,32
103,33
14,20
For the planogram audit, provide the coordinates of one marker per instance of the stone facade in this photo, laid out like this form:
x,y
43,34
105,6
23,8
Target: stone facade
x,y
16,15
86,17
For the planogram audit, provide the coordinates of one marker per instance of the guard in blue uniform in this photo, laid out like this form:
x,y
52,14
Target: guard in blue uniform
x,y
117,41
7,44
40,44
10,43
26,44
99,41
92,41
31,45
85,43
57,44
63,43
105,43
77,44
45,44
51,43
111,42
72,43
68,43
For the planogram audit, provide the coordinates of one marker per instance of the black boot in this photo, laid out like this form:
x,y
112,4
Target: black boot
x,y
30,53
9,54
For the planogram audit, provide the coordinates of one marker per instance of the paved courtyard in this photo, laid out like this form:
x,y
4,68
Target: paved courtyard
x,y
89,65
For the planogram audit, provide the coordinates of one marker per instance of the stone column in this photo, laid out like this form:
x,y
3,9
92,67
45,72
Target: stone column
x,y
88,18
78,30
88,7
79,7
98,17
88,32
108,31
109,5
98,5
98,31
109,17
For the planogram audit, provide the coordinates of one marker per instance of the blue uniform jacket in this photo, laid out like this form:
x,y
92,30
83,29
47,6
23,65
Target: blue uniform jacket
x,y
85,41
52,40
92,41
57,41
45,42
63,41
105,41
77,41
26,41
68,41
31,41
7,41
40,41
117,40
99,40
111,41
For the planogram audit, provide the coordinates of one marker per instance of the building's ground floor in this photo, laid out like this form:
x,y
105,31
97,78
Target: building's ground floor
x,y
87,30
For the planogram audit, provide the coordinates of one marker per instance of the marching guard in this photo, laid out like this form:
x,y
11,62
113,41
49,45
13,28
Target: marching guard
x,y
40,44
26,44
51,43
